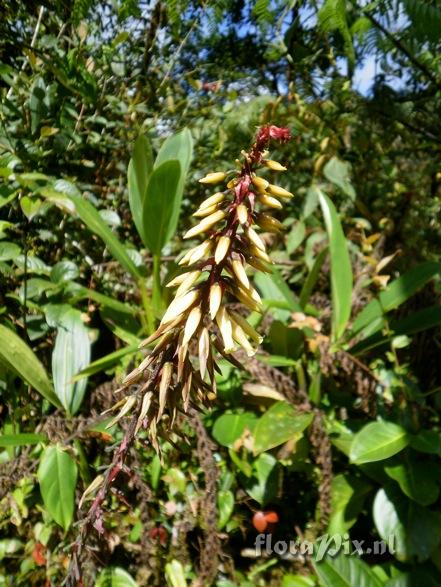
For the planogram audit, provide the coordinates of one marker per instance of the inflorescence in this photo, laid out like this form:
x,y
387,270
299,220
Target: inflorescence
x,y
199,325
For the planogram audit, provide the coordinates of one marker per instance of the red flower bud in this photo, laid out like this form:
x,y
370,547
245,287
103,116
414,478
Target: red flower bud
x,y
273,132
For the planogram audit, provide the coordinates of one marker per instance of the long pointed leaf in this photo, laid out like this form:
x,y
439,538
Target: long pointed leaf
x,y
16,354
341,272
138,173
71,354
159,205
91,218
370,319
180,148
57,475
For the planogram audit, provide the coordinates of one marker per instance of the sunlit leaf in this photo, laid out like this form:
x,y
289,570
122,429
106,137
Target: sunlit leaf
x,y
341,272
378,441
20,358
57,475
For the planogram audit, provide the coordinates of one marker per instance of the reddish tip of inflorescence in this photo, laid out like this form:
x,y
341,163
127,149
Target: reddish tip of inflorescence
x,y
273,132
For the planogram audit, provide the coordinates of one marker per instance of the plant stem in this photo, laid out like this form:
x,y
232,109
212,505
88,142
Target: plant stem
x,y
157,289
147,316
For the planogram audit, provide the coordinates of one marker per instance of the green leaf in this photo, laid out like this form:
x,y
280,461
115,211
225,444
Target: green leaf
x,y
174,573
30,206
57,475
115,577
225,505
417,480
139,170
345,571
395,294
178,147
428,441
37,105
341,272
348,494
8,251
332,17
91,218
159,205
274,289
9,547
22,439
79,293
7,194
378,441
414,530
21,359
106,362
310,202
297,581
64,271
229,427
71,354
296,236
337,172
278,425
263,485
312,278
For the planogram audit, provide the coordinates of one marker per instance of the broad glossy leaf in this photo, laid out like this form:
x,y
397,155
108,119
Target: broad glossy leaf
x,y
35,288
341,272
378,441
417,479
278,425
348,494
21,359
91,218
71,354
64,271
30,206
263,485
115,577
428,441
7,194
345,571
159,205
21,439
414,530
57,475
229,427
9,251
139,170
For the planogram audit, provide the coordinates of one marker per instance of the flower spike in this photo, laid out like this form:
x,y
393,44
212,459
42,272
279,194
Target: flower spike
x,y
198,325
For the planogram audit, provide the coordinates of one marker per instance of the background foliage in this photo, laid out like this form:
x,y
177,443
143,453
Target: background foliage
x,y
334,426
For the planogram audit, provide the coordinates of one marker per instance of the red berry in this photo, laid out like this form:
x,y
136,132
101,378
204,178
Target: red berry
x,y
259,521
